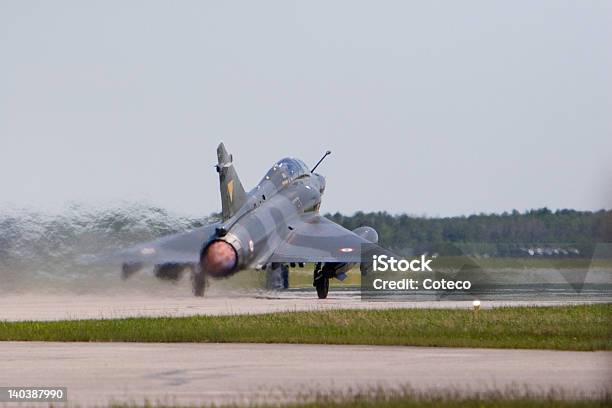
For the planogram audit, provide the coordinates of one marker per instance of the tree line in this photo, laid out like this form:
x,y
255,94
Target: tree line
x,y
530,233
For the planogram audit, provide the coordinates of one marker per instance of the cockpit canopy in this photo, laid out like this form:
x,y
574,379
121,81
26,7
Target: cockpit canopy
x,y
286,171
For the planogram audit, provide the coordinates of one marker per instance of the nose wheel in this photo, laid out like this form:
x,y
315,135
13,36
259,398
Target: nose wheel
x,y
321,281
277,276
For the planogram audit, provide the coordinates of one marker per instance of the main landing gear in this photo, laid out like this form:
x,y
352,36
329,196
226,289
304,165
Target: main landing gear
x,y
198,281
321,280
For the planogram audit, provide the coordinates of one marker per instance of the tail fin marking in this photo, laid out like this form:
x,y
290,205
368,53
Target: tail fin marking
x,y
233,195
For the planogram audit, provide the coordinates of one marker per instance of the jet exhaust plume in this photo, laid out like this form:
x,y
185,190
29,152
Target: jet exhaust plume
x,y
39,249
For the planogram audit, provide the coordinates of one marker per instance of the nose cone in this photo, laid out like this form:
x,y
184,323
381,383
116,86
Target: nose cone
x,y
219,259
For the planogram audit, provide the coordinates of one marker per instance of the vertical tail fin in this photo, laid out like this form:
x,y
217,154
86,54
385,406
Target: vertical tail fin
x,y
233,196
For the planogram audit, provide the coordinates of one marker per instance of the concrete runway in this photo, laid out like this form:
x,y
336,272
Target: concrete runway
x,y
96,373
93,306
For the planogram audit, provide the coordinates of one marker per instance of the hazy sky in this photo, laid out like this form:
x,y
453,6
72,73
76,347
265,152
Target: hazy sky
x,y
437,108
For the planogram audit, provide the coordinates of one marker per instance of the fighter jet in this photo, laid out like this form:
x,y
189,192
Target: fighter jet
x,y
275,225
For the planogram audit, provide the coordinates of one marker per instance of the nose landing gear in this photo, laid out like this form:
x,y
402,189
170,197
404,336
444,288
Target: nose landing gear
x,y
277,276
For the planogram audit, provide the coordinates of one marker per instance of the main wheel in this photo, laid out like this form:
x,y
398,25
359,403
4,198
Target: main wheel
x,y
321,282
322,286
198,281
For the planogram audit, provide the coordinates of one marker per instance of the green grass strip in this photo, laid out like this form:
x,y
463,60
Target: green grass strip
x,y
584,327
405,397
